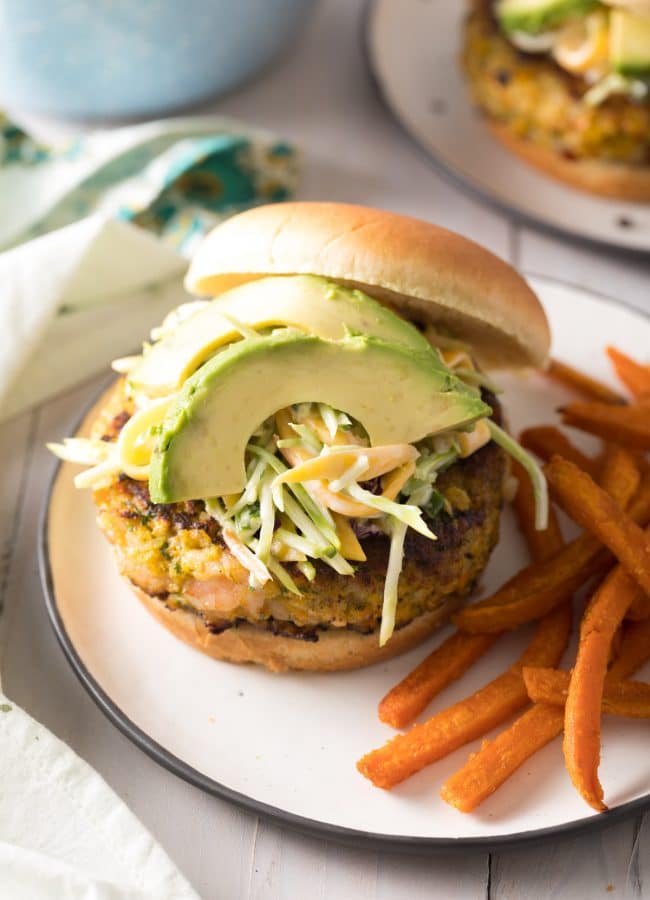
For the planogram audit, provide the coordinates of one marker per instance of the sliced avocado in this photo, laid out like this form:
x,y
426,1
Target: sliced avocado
x,y
393,391
307,302
629,43
535,16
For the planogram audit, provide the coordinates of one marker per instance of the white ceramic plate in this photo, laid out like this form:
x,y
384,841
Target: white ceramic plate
x,y
413,50
286,745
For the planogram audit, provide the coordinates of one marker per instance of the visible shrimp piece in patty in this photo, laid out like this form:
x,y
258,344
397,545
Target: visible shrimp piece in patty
x,y
223,595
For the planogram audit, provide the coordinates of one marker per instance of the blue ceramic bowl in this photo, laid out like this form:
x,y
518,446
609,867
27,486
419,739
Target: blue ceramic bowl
x,y
121,58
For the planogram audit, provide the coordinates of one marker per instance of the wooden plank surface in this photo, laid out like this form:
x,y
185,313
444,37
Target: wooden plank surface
x,y
622,276
320,96
16,442
592,865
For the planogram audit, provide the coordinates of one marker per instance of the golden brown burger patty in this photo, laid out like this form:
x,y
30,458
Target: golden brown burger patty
x,y
540,102
175,553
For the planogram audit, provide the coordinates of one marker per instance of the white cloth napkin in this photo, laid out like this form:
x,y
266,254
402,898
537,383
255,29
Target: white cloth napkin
x,y
63,832
74,299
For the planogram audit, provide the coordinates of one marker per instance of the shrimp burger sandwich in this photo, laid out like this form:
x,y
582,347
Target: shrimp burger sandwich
x,y
565,85
305,470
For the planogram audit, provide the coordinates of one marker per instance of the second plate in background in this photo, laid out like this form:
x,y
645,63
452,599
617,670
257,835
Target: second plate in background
x,y
413,52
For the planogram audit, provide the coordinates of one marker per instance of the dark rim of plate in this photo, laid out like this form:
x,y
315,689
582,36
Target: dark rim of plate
x,y
312,827
465,182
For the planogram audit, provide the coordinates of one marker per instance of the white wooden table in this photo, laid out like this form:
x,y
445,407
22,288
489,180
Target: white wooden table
x,y
319,96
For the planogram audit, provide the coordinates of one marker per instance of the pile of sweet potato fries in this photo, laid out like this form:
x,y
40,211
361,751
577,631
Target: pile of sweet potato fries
x,y
607,496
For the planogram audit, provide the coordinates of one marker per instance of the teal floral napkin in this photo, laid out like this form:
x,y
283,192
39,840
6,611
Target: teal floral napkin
x,y
96,233
176,177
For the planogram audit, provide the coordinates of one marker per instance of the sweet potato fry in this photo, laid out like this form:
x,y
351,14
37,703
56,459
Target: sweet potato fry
x,y
582,711
615,646
628,425
470,718
592,508
633,652
549,639
540,587
634,375
486,770
541,544
490,767
536,589
453,657
583,384
403,703
639,607
546,685
639,508
620,698
630,699
443,733
620,475
546,441
496,761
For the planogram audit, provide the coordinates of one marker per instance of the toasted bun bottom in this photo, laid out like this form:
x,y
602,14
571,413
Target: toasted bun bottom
x,y
615,180
333,651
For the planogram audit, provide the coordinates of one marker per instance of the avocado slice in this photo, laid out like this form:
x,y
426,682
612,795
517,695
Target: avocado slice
x,y
392,390
629,43
307,302
536,16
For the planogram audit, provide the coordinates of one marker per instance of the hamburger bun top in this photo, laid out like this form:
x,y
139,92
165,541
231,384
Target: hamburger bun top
x,y
430,275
